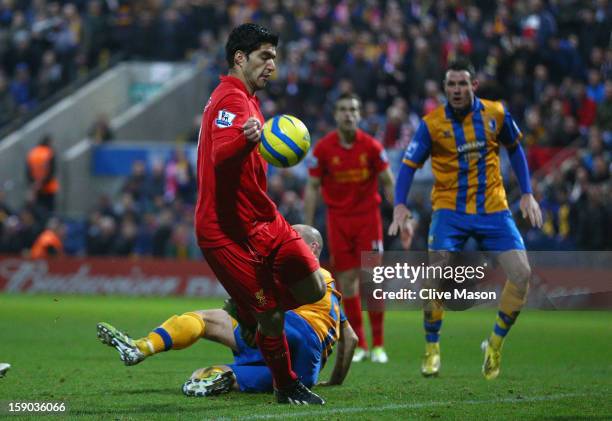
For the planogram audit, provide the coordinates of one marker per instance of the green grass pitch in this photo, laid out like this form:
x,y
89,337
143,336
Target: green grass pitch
x,y
556,365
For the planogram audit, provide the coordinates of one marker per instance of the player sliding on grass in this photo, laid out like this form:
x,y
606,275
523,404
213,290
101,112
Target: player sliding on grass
x,y
463,138
312,331
256,255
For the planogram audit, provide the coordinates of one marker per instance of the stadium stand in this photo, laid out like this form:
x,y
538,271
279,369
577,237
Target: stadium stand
x,y
551,62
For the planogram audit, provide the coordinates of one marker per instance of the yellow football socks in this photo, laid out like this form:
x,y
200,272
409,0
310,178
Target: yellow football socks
x,y
432,320
177,332
510,305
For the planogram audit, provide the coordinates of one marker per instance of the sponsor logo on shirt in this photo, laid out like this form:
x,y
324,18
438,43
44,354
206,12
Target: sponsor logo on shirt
x,y
225,119
492,125
471,151
260,296
471,146
411,150
363,158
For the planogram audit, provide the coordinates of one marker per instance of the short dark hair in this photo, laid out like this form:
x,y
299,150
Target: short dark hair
x,y
46,140
247,38
461,64
348,95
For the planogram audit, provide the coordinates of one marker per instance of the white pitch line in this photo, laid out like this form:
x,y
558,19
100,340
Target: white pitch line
x,y
416,405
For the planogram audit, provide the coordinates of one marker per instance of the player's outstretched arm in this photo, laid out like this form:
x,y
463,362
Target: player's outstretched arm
x,y
311,194
346,348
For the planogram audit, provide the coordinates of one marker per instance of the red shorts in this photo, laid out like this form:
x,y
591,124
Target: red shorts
x,y
348,236
258,272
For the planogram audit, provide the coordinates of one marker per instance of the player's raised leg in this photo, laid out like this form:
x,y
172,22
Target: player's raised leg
x,y
177,332
518,273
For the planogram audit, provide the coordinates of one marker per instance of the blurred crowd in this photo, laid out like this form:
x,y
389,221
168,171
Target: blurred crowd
x,y
549,61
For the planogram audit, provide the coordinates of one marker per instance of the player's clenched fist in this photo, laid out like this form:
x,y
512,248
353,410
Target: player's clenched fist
x,y
252,130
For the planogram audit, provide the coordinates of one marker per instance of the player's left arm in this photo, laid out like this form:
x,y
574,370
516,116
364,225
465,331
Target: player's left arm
x,y
510,136
386,179
380,162
345,350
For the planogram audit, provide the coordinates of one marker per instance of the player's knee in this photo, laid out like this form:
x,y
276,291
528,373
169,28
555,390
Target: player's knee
x,y
212,316
520,276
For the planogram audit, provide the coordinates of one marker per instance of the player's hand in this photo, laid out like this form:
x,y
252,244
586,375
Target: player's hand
x,y
252,130
531,210
401,221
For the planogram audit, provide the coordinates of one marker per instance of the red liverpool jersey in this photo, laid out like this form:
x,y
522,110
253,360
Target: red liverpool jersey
x,y
232,200
349,176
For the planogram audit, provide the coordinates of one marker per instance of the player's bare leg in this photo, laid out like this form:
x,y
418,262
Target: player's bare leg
x,y
219,327
518,273
348,281
433,313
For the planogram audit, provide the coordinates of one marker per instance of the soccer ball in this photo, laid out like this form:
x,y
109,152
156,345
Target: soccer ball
x,y
284,141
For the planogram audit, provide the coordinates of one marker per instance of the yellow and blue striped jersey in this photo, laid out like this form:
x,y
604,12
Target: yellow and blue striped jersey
x,y
325,316
465,156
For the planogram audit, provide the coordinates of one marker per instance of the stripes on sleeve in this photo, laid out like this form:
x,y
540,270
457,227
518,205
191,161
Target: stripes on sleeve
x,y
510,133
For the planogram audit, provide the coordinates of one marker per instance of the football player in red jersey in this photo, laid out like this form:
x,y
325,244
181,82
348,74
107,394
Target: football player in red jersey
x,y
256,255
347,164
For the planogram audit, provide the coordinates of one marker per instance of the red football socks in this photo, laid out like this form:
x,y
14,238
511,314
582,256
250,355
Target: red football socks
x,y
275,351
376,321
352,309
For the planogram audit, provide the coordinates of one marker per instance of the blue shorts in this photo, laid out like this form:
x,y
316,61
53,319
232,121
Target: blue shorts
x,y
251,371
449,231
